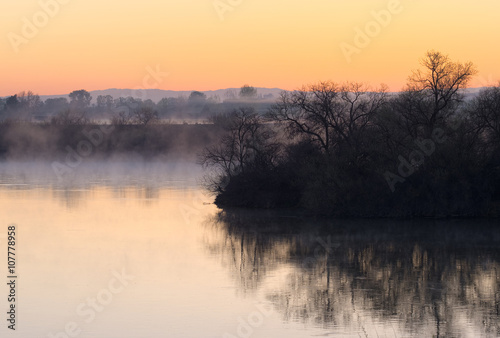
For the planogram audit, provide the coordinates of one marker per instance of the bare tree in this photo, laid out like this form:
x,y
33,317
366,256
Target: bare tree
x,y
245,144
485,111
145,115
327,113
433,92
122,118
230,94
70,117
29,101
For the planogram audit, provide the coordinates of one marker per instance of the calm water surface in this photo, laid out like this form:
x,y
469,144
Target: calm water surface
x,y
138,251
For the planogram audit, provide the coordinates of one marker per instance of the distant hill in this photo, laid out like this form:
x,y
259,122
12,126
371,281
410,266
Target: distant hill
x,y
158,94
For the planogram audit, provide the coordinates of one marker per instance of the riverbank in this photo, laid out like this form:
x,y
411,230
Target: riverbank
x,y
46,141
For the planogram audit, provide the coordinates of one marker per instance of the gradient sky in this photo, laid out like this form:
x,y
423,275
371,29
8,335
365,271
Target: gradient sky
x,y
96,44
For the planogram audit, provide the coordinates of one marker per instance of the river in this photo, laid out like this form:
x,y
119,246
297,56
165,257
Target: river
x,y
138,250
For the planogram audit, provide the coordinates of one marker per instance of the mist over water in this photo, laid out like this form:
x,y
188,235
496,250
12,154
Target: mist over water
x,y
232,273
126,170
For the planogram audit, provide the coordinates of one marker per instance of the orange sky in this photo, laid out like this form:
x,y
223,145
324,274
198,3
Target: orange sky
x,y
213,44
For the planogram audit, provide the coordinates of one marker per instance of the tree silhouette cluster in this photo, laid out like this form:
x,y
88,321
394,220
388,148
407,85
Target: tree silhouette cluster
x,y
79,107
346,150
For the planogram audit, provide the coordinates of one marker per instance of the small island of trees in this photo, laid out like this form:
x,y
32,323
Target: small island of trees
x,y
347,150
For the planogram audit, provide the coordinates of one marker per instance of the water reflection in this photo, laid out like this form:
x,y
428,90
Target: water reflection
x,y
338,278
368,278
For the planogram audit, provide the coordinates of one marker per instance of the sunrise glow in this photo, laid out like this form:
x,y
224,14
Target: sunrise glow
x,y
56,46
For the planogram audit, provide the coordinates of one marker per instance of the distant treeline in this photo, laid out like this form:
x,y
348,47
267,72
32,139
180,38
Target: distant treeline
x,y
346,150
28,106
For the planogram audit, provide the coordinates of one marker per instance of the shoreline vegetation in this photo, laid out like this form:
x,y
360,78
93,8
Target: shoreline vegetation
x,y
20,140
328,149
346,150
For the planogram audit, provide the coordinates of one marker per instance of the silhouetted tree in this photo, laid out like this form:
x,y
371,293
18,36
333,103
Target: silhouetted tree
x,y
149,103
245,145
248,92
55,106
485,109
433,93
69,117
122,118
163,107
197,96
80,99
145,115
105,102
327,113
230,94
12,103
29,101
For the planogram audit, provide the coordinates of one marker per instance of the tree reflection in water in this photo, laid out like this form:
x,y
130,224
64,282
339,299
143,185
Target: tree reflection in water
x,y
368,278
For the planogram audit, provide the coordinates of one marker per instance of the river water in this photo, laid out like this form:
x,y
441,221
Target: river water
x,y
138,250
